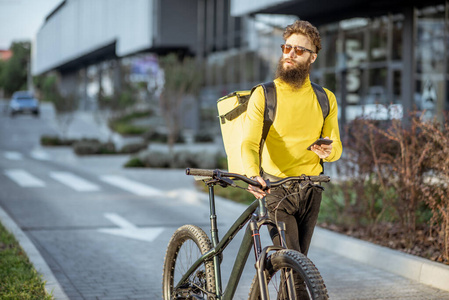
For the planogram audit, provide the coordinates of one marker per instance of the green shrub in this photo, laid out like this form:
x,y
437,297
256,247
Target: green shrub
x,y
155,159
47,140
389,165
93,146
180,159
134,148
185,159
202,160
134,162
155,136
86,147
204,137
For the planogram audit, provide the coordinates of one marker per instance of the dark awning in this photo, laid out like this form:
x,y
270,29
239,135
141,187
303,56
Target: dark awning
x,y
320,12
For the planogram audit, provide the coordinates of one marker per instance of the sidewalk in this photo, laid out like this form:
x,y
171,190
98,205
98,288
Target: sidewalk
x,y
415,268
408,266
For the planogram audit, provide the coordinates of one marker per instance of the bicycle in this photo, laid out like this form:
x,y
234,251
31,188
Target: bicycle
x,y
192,260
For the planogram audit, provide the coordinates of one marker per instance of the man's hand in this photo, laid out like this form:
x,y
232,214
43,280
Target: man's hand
x,y
322,151
258,192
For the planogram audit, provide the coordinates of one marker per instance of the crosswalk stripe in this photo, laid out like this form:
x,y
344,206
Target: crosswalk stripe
x,y
12,155
75,182
131,186
39,155
23,178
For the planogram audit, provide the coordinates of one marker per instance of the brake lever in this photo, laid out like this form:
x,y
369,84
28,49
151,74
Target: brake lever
x,y
225,181
268,185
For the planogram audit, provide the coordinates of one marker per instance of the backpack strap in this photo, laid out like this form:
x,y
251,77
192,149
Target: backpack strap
x,y
270,108
324,103
269,90
322,99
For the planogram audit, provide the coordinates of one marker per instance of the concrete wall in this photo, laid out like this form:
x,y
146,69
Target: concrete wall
x,y
178,24
82,26
240,8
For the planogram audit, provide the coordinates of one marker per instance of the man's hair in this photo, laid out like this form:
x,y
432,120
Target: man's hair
x,y
307,29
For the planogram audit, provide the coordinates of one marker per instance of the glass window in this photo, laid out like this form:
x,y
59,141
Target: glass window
x,y
430,44
353,85
431,67
398,24
329,45
355,54
355,47
397,84
379,39
330,81
377,92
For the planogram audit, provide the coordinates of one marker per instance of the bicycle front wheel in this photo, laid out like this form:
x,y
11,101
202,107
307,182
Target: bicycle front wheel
x,y
186,245
285,264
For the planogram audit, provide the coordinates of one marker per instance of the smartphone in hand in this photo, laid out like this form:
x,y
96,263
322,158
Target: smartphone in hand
x,y
319,142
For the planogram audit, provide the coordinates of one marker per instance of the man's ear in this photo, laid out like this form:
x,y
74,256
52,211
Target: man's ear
x,y
314,56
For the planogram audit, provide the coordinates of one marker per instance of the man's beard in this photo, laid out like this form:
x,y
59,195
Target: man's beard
x,y
294,75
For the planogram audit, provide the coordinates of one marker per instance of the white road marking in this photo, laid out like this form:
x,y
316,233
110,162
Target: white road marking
x,y
23,178
12,155
77,183
129,230
131,186
39,154
119,221
187,196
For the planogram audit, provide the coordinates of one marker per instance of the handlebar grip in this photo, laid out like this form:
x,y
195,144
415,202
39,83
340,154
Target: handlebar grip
x,y
320,178
200,172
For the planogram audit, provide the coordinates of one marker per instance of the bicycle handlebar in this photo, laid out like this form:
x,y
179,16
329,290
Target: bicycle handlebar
x,y
218,174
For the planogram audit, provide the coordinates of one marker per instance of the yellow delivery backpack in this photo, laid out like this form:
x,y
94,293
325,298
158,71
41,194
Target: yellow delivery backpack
x,y
232,111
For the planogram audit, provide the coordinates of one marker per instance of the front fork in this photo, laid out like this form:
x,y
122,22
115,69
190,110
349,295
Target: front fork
x,y
261,254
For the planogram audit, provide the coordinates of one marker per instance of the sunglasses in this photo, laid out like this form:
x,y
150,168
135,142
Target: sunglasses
x,y
298,49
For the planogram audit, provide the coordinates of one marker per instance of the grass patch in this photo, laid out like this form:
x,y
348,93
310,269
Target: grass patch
x,y
125,126
18,278
234,194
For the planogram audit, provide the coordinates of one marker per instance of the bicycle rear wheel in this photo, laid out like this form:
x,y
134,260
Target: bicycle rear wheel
x,y
187,244
284,262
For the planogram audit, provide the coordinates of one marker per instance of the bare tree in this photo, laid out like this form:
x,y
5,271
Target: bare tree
x,y
65,105
182,78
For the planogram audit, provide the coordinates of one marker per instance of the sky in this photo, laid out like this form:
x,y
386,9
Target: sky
x,y
21,19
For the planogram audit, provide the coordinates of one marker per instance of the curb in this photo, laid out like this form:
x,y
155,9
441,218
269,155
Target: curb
x,y
415,268
52,286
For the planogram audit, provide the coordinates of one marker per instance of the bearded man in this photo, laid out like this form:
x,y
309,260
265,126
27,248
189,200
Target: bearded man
x,y
298,123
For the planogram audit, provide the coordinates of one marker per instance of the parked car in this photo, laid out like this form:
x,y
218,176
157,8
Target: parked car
x,y
23,102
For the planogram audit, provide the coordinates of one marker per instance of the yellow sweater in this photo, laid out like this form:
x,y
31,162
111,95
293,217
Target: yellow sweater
x,y
297,124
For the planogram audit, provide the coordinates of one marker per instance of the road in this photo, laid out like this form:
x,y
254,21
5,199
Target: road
x,y
103,229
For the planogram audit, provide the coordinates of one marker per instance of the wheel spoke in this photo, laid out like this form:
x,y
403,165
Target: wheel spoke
x,y
186,246
289,266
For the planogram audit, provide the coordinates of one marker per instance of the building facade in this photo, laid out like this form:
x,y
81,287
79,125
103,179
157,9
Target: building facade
x,y
382,59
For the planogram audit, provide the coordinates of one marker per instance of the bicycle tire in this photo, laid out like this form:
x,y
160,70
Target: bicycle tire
x,y
186,245
297,262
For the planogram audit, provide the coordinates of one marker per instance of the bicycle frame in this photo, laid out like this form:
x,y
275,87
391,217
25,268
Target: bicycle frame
x,y
245,247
